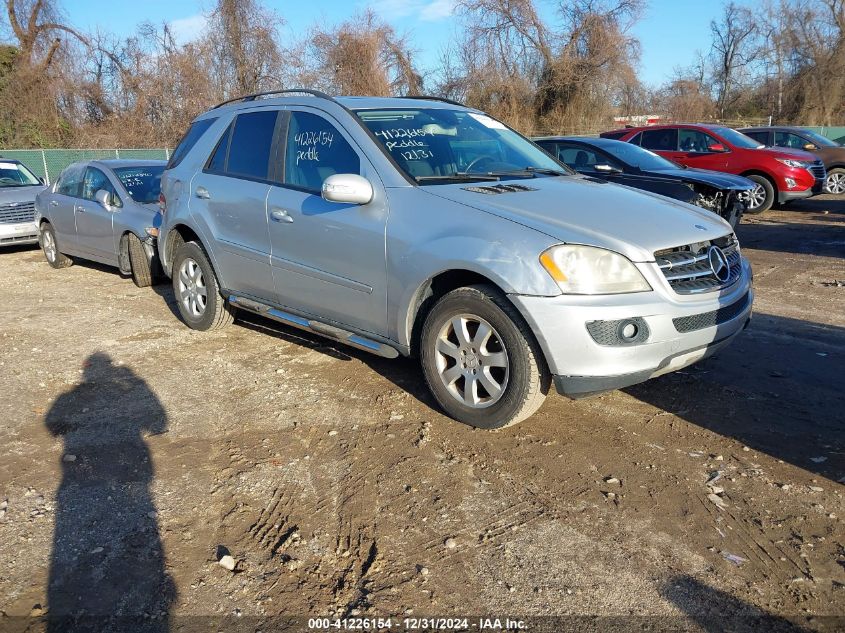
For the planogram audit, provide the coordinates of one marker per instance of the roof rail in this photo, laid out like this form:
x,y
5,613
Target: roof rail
x,y
432,98
253,97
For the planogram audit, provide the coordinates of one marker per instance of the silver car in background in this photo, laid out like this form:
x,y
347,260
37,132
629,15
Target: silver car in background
x,y
105,211
18,188
420,227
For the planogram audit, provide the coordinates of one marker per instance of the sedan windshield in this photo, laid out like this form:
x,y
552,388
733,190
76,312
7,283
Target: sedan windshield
x,y
636,156
143,184
737,139
16,175
435,145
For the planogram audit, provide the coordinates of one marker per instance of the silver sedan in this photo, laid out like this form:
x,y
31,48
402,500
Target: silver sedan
x,y
105,211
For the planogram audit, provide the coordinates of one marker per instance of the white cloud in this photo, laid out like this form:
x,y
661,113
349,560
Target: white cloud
x,y
423,10
437,10
188,29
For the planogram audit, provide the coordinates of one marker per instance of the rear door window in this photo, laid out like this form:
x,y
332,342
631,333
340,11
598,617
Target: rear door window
x,y
761,136
316,150
663,140
70,182
188,141
250,144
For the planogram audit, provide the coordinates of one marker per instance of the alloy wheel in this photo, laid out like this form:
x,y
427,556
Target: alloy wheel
x,y
835,183
192,289
49,246
756,197
471,361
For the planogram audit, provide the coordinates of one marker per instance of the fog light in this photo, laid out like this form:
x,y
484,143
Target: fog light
x,y
629,331
790,183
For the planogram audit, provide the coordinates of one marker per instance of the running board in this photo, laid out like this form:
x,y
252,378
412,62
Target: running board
x,y
323,329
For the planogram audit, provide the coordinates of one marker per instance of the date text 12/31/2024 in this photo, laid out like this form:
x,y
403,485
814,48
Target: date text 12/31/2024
x,y
417,624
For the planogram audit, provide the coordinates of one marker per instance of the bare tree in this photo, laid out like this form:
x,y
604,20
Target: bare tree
x,y
734,48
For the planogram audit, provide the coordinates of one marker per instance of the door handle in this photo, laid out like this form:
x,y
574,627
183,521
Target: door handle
x,y
54,203
202,192
79,208
280,215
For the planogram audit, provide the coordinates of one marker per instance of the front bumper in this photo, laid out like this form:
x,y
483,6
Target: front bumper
x,y
582,366
23,233
787,196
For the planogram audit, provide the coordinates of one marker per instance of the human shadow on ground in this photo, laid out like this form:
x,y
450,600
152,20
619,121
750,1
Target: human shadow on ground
x,y
107,568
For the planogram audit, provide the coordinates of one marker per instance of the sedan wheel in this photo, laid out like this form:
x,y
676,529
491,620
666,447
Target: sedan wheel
x,y
192,290
835,182
49,246
471,361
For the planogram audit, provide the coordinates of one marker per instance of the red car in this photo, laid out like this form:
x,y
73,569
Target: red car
x,y
779,174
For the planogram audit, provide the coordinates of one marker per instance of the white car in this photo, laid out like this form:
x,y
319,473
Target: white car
x,y
18,188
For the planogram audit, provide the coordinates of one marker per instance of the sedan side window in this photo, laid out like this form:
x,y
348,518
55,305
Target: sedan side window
x,y
665,140
70,182
94,181
316,150
578,157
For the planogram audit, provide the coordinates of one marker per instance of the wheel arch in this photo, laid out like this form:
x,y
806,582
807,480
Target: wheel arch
x,y
435,287
176,236
764,174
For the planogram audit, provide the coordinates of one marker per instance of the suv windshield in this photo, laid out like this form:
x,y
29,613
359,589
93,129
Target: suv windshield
x,y
820,140
434,145
737,139
143,184
16,175
639,157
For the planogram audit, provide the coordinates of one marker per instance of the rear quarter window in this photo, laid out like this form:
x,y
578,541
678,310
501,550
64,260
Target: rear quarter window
x,y
194,134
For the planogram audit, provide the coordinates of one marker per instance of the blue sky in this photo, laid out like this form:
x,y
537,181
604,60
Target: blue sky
x,y
670,32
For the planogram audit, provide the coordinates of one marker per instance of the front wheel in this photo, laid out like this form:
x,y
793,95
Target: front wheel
x,y
480,359
762,197
139,263
50,247
197,292
835,182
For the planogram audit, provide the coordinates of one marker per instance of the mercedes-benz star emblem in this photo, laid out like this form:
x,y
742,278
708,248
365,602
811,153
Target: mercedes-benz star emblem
x,y
719,263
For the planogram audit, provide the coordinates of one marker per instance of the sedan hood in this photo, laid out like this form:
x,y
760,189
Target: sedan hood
x,y
582,210
20,194
717,179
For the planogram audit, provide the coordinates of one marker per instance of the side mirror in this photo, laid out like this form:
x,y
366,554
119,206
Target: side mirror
x,y
104,198
608,169
810,147
717,147
348,188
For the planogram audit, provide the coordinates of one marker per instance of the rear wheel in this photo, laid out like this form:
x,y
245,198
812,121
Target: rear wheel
x,y
480,359
762,197
141,273
50,247
197,292
835,182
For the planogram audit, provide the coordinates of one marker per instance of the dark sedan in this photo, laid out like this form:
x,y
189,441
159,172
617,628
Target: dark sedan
x,y
631,165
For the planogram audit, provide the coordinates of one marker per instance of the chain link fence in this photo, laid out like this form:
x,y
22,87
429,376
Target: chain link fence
x,y
49,163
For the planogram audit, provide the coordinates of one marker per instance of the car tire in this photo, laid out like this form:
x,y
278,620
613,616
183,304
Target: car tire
x,y
138,262
505,355
197,291
50,248
835,182
765,193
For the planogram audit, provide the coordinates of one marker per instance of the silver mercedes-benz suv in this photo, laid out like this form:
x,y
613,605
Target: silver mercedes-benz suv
x,y
418,226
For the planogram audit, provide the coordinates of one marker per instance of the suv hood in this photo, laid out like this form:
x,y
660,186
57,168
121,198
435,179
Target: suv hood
x,y
583,210
787,152
20,194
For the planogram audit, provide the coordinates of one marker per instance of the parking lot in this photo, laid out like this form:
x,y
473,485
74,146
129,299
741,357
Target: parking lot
x,y
338,488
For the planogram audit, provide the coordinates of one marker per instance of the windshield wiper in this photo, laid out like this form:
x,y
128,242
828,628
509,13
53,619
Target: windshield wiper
x,y
528,172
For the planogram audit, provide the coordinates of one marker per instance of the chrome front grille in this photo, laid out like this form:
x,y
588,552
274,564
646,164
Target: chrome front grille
x,y
17,213
688,268
818,171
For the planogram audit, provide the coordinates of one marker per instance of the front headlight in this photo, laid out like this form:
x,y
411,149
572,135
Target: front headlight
x,y
587,270
792,162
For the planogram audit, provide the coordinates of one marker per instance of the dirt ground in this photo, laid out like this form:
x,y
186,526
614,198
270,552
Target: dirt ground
x,y
136,453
